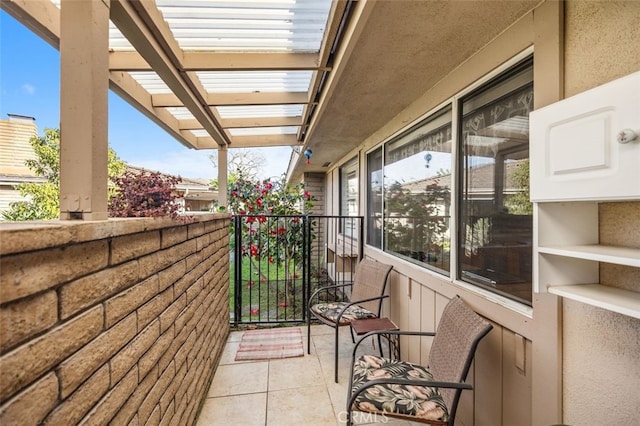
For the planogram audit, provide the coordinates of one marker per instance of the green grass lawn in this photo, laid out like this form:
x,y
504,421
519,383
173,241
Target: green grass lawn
x,y
264,296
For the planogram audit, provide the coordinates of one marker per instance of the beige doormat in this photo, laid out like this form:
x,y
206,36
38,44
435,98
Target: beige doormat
x,y
270,344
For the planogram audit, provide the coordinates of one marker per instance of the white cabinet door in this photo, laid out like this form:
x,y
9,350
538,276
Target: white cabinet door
x,y
574,149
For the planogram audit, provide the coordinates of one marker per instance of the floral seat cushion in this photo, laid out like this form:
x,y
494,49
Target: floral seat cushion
x,y
331,311
423,402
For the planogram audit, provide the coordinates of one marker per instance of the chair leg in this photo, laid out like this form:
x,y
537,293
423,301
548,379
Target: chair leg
x,y
309,333
353,337
380,346
336,354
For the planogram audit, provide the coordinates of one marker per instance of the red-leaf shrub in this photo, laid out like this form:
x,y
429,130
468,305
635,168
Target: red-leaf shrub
x,y
144,194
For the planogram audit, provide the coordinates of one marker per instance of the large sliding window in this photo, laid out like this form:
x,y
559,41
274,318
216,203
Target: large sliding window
x,y
374,198
410,185
417,194
495,212
349,198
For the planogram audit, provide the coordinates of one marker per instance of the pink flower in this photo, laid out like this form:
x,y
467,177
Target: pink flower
x,y
254,311
282,304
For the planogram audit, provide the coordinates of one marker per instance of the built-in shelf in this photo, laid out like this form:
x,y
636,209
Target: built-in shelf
x,y
579,160
624,302
600,253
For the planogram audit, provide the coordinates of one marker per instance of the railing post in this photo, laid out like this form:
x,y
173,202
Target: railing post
x,y
361,238
306,264
237,257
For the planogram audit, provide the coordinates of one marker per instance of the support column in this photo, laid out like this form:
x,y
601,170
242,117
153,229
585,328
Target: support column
x,y
84,85
222,176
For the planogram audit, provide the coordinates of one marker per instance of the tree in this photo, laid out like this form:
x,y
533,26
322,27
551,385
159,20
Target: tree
x,y
519,202
417,221
245,160
44,198
271,226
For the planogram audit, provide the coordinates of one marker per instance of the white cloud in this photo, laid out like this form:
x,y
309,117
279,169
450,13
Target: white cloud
x,y
29,89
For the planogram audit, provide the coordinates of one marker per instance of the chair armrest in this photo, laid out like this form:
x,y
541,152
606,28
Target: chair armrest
x,y
327,287
388,332
357,302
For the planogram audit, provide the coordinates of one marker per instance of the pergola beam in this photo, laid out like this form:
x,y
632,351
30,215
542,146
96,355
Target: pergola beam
x,y
231,123
331,32
234,61
262,141
164,100
223,61
41,17
129,89
139,23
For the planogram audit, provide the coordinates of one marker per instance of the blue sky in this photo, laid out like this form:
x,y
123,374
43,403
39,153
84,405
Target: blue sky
x,y
29,85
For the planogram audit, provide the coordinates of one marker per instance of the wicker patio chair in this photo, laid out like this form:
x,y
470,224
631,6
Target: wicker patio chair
x,y
395,388
367,293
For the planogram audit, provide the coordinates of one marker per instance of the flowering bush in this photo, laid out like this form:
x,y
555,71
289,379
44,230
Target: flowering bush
x,y
271,215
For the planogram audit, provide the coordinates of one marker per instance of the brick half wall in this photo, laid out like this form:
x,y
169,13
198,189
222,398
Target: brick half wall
x,y
121,321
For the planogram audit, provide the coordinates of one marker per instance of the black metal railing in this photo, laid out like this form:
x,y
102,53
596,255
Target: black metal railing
x,y
278,261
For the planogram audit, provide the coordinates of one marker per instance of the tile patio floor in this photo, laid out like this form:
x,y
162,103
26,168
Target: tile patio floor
x,y
290,391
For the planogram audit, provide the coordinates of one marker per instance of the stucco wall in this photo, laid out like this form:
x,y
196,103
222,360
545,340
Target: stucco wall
x,y
601,349
111,322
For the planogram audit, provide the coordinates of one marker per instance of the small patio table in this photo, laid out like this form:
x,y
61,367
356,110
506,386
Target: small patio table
x,y
364,326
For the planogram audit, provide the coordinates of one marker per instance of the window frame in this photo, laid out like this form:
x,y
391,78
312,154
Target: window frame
x,y
345,170
454,103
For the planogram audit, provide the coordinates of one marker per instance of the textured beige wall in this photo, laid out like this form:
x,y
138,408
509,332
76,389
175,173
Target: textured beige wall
x,y
602,42
118,322
601,349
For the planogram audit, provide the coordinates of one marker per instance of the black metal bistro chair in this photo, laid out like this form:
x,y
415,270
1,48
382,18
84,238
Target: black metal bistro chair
x,y
367,293
410,391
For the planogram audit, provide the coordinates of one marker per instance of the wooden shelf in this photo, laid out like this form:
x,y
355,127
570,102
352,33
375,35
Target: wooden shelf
x,y
599,253
624,302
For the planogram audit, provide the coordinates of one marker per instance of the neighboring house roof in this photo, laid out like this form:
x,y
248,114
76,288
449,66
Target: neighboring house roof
x,y
481,179
189,189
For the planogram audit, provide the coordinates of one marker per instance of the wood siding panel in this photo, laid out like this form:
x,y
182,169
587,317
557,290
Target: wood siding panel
x,y
488,379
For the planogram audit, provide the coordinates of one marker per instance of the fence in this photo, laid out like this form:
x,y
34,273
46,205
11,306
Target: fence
x,y
278,261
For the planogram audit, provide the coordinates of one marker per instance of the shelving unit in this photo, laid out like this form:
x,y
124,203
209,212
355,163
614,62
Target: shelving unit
x,y
624,302
599,253
576,163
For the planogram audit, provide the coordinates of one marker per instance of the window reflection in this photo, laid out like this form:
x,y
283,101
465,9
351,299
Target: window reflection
x,y
417,193
374,198
495,212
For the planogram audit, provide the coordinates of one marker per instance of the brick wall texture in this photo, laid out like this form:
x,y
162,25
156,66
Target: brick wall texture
x,y
117,322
